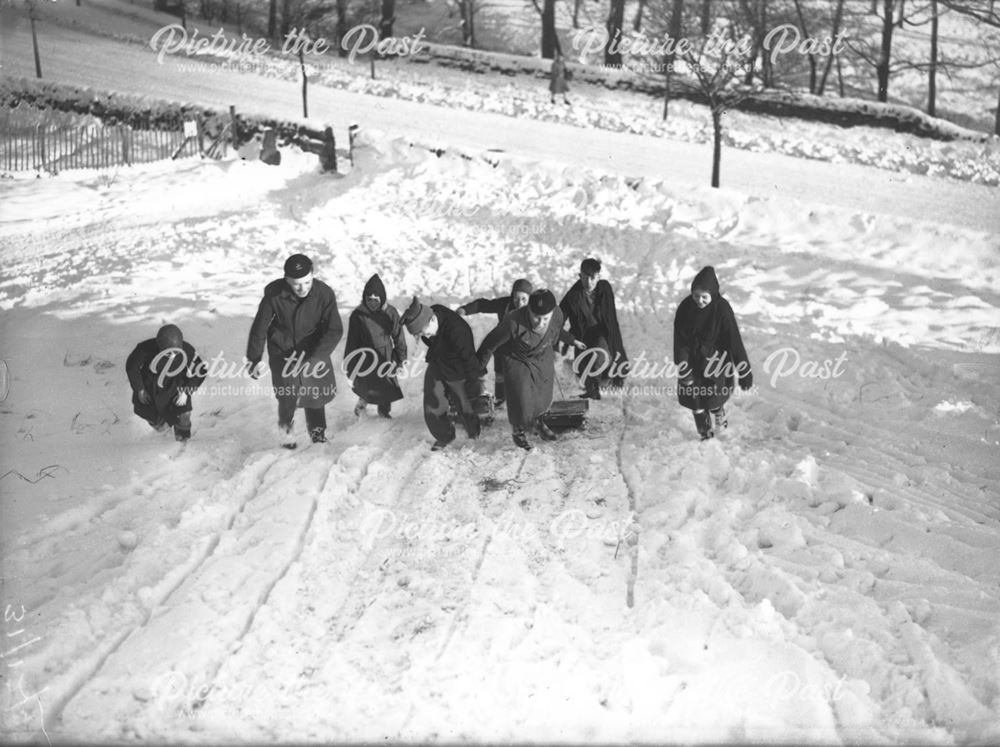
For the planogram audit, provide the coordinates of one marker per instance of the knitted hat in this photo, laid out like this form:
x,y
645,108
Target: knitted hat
x,y
521,286
298,266
541,302
169,336
416,317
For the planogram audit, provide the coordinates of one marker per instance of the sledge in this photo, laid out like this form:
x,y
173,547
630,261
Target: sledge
x,y
566,414
484,406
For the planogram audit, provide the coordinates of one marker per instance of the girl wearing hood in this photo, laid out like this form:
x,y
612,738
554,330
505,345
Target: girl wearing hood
x,y
708,352
375,349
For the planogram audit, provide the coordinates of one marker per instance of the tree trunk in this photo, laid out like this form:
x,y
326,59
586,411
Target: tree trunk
x,y
286,18
388,18
470,8
838,16
706,17
932,71
272,20
996,126
576,14
549,29
338,34
811,56
637,24
716,144
674,30
616,19
885,52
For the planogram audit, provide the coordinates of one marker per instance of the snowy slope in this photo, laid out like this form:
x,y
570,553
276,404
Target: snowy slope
x,y
827,570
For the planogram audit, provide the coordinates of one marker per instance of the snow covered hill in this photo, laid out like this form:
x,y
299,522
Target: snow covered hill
x,y
825,571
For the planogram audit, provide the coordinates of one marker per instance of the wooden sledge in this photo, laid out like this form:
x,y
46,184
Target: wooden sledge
x,y
564,414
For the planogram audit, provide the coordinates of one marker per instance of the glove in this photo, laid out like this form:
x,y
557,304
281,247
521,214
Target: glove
x,y
182,399
253,369
746,381
460,311
144,397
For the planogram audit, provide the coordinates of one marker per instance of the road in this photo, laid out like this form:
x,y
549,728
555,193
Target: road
x,y
74,57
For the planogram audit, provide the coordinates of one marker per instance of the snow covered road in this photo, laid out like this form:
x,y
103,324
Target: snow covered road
x,y
89,60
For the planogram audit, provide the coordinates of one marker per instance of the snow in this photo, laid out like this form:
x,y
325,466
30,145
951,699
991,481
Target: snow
x,y
824,571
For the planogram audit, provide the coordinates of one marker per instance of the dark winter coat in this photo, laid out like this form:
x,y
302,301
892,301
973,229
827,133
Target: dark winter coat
x,y
453,349
499,306
299,334
375,338
700,334
558,83
597,325
528,361
148,369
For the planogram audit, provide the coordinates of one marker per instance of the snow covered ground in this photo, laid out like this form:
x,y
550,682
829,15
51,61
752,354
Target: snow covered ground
x,y
825,571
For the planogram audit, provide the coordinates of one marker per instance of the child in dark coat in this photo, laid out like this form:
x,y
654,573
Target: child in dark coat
x,y
453,370
501,307
708,352
375,349
164,371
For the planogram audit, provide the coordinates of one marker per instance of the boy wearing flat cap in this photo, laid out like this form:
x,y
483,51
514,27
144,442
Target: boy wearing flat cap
x,y
298,322
164,371
529,336
453,370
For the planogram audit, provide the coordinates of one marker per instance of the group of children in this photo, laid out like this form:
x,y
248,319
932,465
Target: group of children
x,y
298,325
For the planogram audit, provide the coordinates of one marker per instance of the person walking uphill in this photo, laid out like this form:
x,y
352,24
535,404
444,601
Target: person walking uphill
x,y
558,83
164,371
375,349
589,307
298,321
501,307
453,370
529,336
708,352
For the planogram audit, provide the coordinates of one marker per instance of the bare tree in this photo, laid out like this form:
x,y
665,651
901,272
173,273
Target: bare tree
x,y
838,18
675,29
715,65
616,20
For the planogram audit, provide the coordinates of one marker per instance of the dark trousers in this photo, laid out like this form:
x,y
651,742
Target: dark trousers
x,y
583,361
437,394
315,416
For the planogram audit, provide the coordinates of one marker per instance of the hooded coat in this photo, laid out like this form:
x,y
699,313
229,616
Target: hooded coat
x,y
528,362
299,333
148,369
594,324
708,348
375,338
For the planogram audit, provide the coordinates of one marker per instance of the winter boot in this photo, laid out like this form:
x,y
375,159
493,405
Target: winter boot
x,y
383,412
703,422
285,436
544,431
160,426
521,440
719,419
442,443
359,408
318,435
181,434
